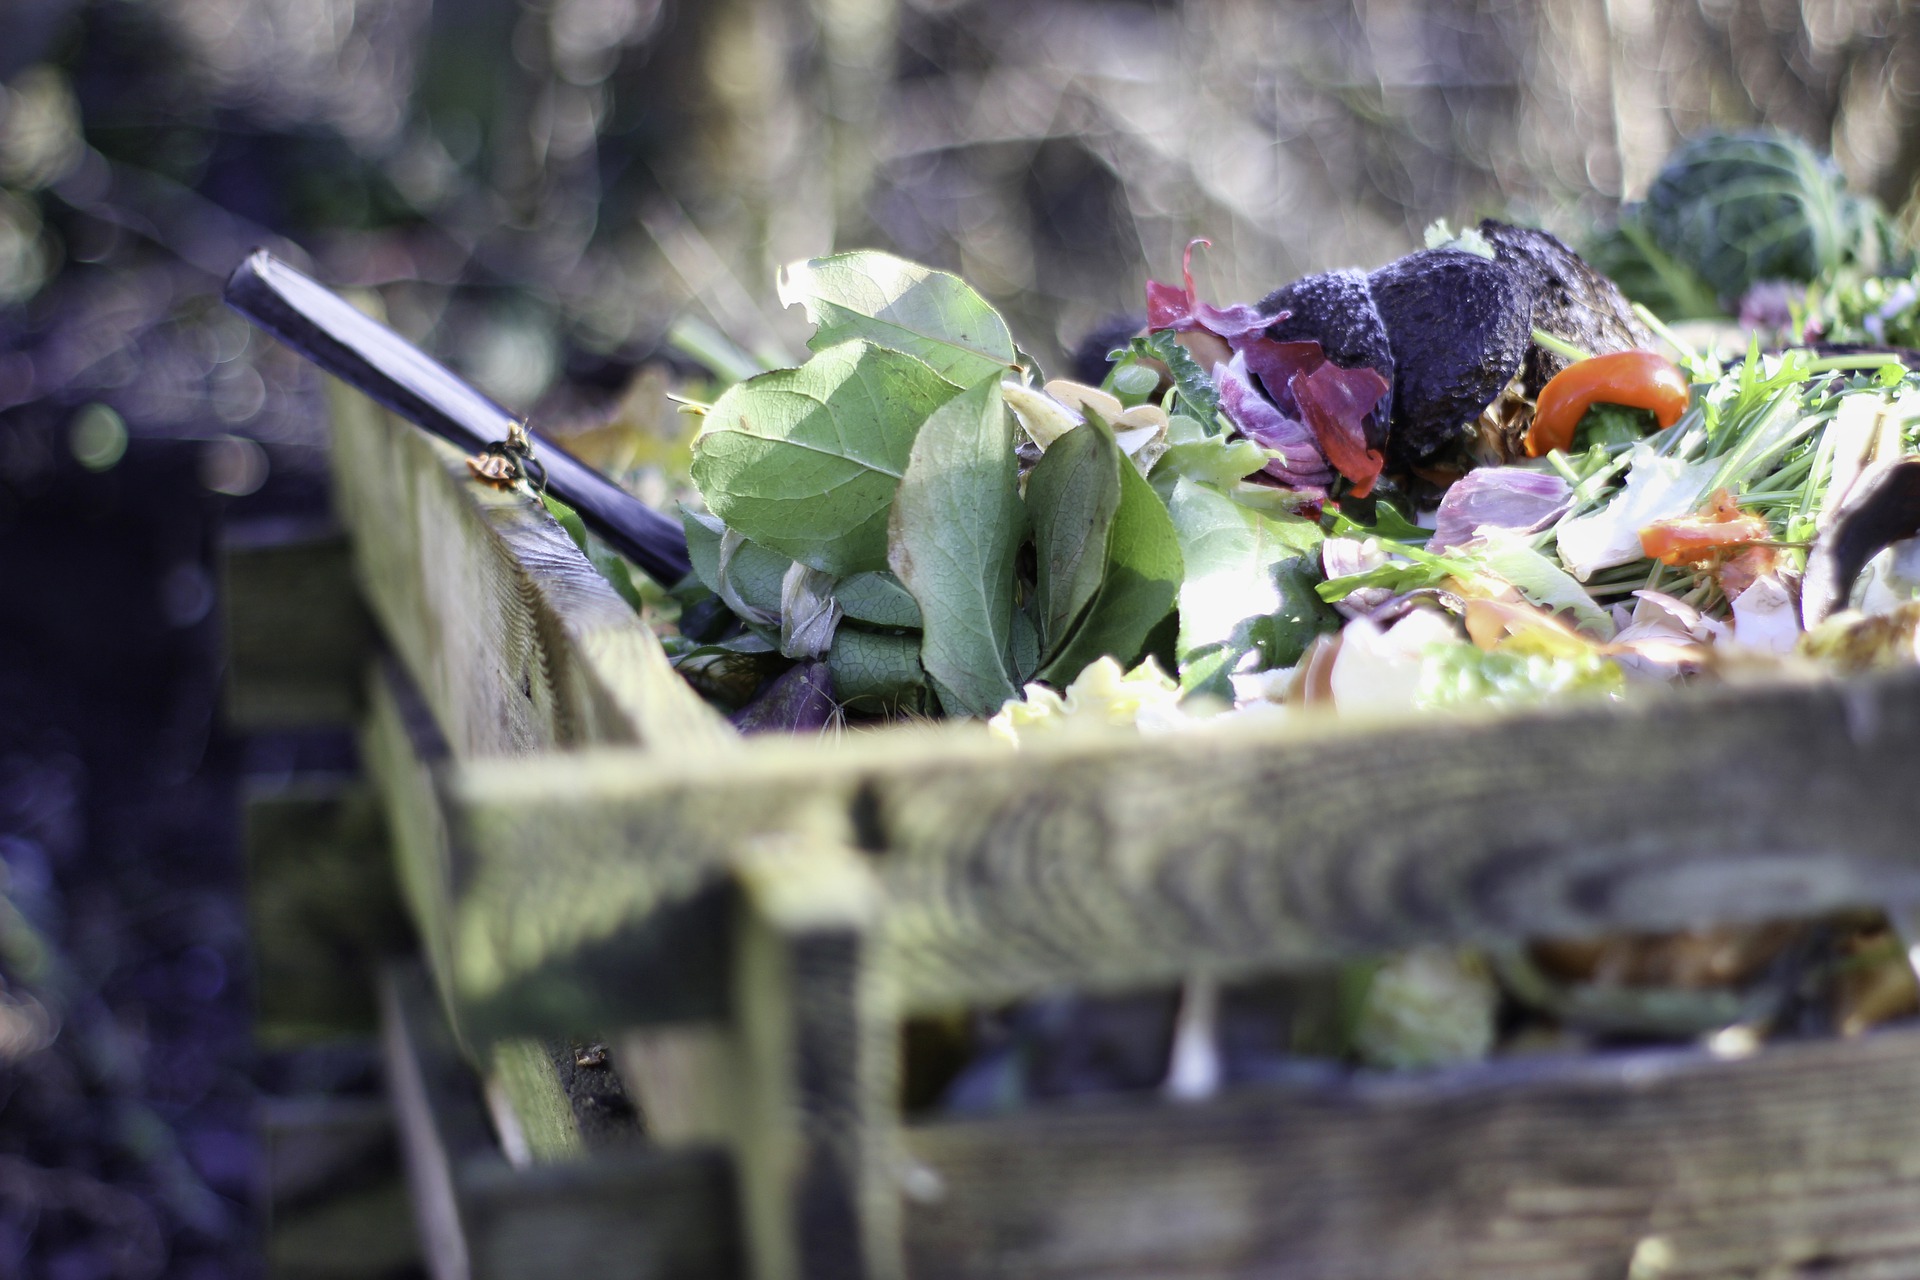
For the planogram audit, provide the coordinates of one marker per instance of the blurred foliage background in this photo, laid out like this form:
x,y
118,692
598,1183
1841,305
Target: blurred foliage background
x,y
544,187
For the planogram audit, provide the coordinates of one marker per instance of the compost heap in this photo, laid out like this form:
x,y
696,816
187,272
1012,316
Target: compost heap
x,y
1473,476
1465,477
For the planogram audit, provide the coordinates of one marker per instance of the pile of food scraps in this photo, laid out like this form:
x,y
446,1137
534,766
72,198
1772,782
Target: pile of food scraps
x,y
1477,475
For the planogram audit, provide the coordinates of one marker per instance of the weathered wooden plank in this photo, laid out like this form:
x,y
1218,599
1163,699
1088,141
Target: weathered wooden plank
x,y
324,909
404,756
524,1085
298,637
679,966
516,642
814,1118
636,1215
1802,1160
1125,861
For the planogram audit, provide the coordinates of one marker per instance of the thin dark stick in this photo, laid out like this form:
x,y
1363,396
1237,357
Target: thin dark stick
x,y
368,356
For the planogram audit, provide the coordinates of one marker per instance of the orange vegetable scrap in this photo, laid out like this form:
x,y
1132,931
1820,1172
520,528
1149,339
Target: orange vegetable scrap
x,y
1636,379
1699,538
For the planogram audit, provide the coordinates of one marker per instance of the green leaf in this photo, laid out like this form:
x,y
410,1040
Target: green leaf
x,y
1606,424
1394,575
1511,556
1025,646
1216,460
1231,556
872,671
878,599
1198,396
904,307
1143,572
730,671
1388,525
806,461
751,578
1072,495
957,525
703,545
1283,635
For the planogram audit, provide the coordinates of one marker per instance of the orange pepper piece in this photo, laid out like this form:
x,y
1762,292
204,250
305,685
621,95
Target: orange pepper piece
x,y
1636,379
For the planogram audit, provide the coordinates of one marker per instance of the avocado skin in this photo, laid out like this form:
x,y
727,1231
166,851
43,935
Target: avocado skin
x,y
1570,300
1460,326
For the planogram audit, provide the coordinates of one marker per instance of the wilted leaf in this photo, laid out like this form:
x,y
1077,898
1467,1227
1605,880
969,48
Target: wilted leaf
x,y
957,524
903,306
806,461
809,615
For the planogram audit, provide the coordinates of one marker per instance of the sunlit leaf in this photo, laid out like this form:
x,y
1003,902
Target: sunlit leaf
x,y
903,306
957,525
806,461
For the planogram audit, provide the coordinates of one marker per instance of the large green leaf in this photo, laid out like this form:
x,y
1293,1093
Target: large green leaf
x,y
957,525
1072,495
1232,557
903,306
806,461
1143,570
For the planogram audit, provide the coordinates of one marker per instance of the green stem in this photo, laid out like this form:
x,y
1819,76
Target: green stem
x,y
1559,346
1862,361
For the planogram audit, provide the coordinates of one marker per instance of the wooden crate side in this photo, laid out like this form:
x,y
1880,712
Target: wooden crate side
x,y
298,637
516,642
1127,861
815,1116
643,1215
404,754
676,961
1802,1160
324,910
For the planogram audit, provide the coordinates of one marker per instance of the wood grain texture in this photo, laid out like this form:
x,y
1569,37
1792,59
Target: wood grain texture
x,y
814,1116
638,1215
1802,1161
516,642
404,756
297,636
323,908
1124,861
522,1074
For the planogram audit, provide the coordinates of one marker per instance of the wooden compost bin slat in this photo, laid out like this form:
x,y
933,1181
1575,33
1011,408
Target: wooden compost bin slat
x,y
517,644
788,901
1801,1160
1252,845
645,1215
